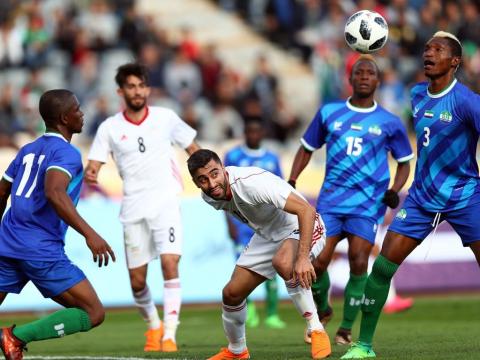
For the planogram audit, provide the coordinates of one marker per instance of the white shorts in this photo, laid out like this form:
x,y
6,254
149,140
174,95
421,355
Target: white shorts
x,y
258,254
146,239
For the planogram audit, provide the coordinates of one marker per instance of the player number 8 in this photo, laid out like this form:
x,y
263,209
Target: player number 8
x,y
141,145
171,236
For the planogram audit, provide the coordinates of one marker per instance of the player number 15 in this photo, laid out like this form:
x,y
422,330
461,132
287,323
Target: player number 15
x,y
354,145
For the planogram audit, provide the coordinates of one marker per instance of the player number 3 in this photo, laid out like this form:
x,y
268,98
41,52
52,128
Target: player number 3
x,y
141,145
427,136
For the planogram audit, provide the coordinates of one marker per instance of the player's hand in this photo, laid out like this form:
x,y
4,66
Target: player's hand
x,y
303,271
100,249
91,175
391,199
292,183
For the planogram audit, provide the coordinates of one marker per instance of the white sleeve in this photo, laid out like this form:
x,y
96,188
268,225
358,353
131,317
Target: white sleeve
x,y
182,134
266,188
101,144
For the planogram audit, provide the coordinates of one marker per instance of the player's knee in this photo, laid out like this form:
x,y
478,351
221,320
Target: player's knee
x,y
283,267
358,265
320,264
137,283
97,315
170,267
231,297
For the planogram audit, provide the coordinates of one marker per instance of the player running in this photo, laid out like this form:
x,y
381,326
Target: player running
x,y
253,154
140,140
288,234
358,134
43,182
446,185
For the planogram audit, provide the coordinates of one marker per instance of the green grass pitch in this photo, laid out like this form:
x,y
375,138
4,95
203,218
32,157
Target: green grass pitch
x,y
437,327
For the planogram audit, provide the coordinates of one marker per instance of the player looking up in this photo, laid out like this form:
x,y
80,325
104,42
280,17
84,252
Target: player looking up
x,y
140,140
446,184
43,182
288,234
358,134
253,154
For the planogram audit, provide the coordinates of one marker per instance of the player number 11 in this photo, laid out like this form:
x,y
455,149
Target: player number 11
x,y
28,162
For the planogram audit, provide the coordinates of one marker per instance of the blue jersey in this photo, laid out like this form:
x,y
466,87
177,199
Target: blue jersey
x,y
358,141
31,229
244,156
447,127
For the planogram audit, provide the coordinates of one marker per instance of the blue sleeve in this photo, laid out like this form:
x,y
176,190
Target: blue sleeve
x,y
472,111
68,160
316,133
398,143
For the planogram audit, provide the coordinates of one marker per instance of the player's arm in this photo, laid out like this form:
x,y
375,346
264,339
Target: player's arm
x,y
56,183
391,198
303,269
301,160
91,171
5,190
190,149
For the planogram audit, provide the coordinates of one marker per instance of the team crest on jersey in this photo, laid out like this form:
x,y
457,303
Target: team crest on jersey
x,y
446,116
375,130
337,125
428,114
357,127
402,214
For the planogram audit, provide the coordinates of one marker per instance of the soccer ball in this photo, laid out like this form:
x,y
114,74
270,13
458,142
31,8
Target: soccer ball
x,y
366,31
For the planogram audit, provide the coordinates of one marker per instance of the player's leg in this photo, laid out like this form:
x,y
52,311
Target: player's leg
x,y
67,285
302,298
234,312
359,250
139,251
168,239
273,320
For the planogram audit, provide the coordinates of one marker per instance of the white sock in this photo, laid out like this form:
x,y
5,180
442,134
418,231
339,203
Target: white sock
x,y
303,300
146,306
234,325
172,300
392,293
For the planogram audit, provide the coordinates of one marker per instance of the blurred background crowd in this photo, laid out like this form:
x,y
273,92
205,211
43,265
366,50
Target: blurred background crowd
x,y
77,44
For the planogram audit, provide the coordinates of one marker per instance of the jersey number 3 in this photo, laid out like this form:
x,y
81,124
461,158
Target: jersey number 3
x,y
28,161
426,142
354,145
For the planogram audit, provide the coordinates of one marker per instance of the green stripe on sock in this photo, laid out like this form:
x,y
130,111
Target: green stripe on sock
x,y
61,323
376,292
352,299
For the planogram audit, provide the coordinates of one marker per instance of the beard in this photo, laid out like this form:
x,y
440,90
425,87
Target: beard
x,y
136,105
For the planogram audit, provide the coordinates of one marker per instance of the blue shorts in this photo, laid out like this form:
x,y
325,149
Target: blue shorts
x,y
415,222
362,226
50,277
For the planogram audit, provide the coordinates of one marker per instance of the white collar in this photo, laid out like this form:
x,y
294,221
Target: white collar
x,y
443,92
55,135
359,109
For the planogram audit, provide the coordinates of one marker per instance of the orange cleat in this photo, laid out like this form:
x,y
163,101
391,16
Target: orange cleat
x,y
226,354
154,339
320,344
169,345
11,346
398,304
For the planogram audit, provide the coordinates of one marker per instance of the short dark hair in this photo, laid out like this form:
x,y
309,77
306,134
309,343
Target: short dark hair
x,y
54,103
126,70
200,158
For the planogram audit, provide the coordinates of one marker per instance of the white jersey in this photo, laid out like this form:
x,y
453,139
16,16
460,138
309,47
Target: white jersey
x,y
145,159
258,199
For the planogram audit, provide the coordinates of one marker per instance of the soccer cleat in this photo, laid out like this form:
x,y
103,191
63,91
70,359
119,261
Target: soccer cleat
x,y
324,316
154,339
398,304
169,345
343,337
320,344
253,320
226,354
11,346
359,351
274,322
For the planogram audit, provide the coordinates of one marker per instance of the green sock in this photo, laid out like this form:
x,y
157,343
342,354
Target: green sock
x,y
320,291
376,292
353,299
272,296
60,323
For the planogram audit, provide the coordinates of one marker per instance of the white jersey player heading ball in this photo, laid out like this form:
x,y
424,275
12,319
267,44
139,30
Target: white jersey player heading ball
x,y
140,141
288,233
